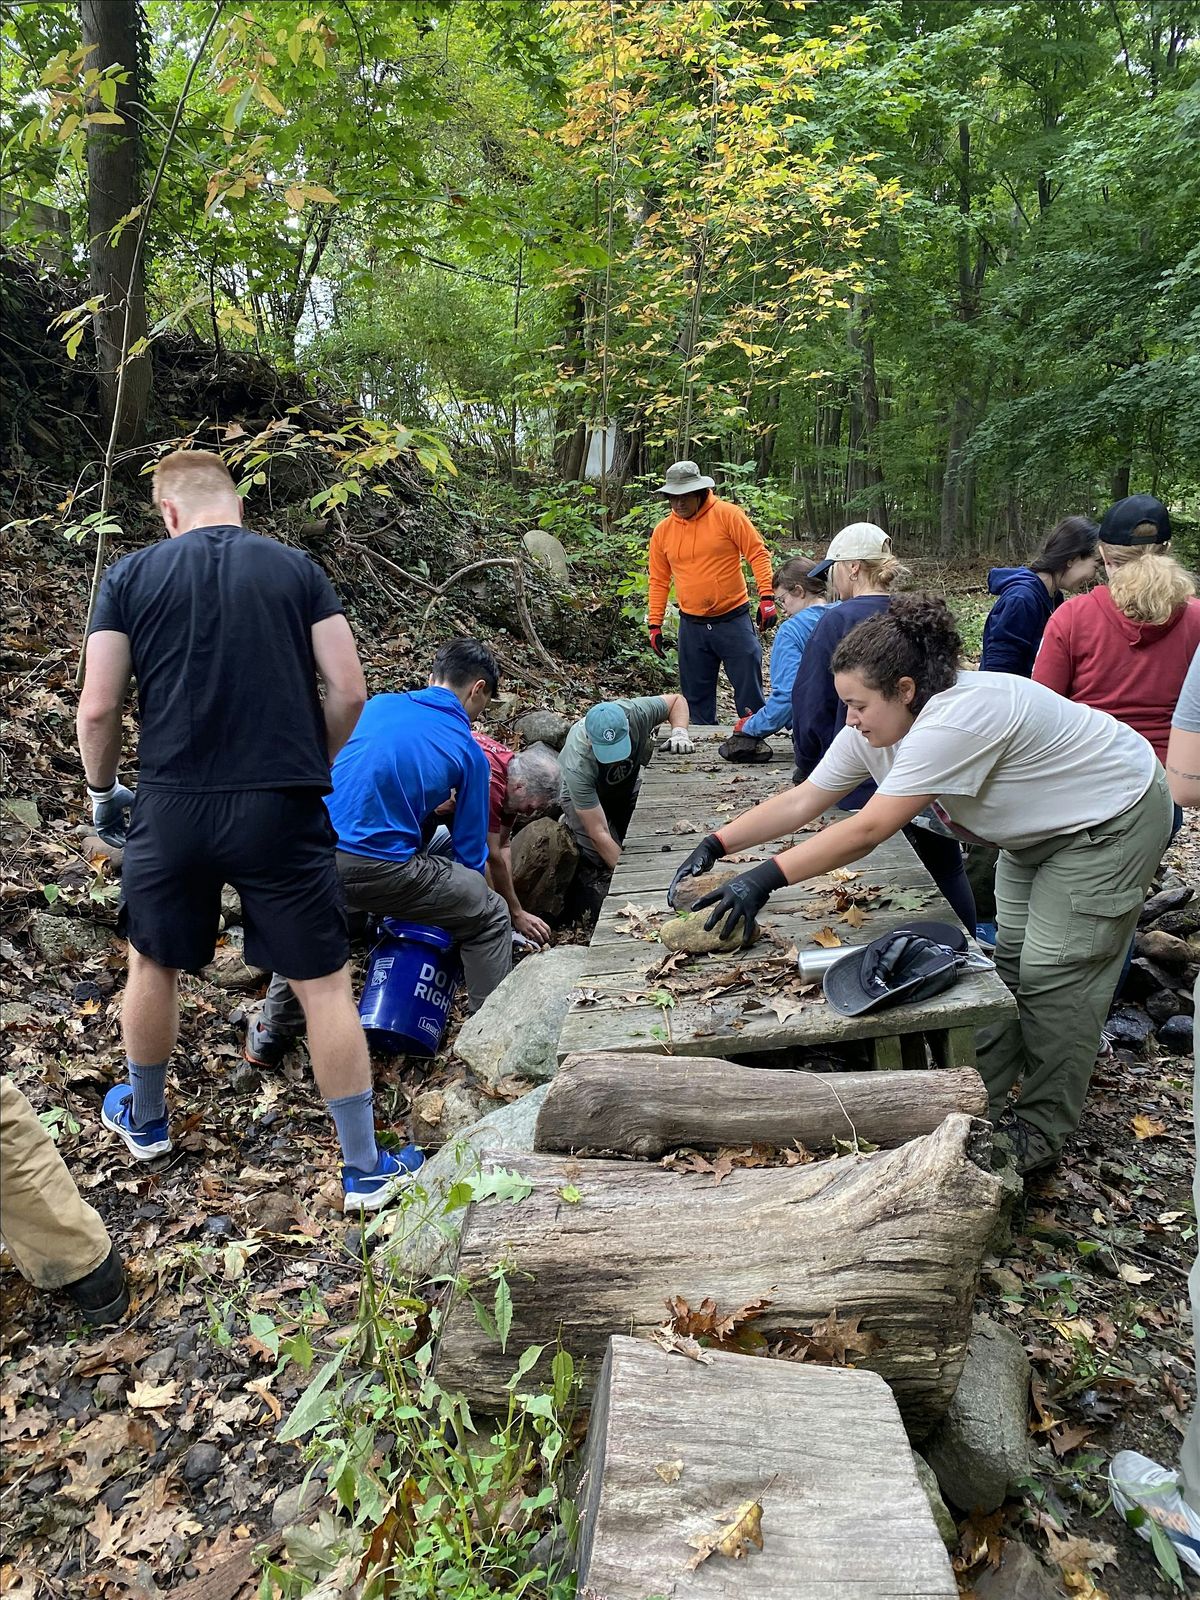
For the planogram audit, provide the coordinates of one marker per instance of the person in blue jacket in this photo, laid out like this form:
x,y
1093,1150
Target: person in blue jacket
x,y
861,573
802,600
1027,597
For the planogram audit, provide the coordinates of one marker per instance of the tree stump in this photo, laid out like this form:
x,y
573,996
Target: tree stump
x,y
597,1247
676,1450
644,1105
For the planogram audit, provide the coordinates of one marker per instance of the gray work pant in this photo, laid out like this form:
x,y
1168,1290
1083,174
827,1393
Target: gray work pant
x,y
429,889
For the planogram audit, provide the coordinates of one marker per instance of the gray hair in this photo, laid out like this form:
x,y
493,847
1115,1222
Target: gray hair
x,y
537,774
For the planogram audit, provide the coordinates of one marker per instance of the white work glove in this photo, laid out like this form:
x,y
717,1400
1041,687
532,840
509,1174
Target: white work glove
x,y
681,742
110,812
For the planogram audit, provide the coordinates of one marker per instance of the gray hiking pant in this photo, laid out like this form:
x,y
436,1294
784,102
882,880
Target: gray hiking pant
x,y
1189,1455
429,889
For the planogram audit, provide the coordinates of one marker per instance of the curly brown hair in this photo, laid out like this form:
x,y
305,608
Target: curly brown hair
x,y
916,637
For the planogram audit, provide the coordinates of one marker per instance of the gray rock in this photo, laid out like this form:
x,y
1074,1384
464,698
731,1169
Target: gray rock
x,y
1020,1576
1175,1035
980,1447
1163,1005
202,1462
16,1014
946,1525
64,939
155,1367
291,1504
94,847
231,906
424,1235
1128,1026
544,861
229,969
1165,900
544,727
515,1031
438,1114
109,1390
548,552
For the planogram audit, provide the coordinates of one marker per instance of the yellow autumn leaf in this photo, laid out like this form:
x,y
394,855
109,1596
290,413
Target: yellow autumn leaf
x,y
270,100
294,197
1147,1127
826,938
735,1539
322,195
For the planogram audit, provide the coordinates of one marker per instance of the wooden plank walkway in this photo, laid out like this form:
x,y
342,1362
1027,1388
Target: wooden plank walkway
x,y
735,1005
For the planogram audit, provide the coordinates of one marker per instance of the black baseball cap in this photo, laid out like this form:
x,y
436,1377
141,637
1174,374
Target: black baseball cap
x,y
1139,519
909,963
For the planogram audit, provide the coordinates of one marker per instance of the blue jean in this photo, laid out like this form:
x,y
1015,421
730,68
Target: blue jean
x,y
706,644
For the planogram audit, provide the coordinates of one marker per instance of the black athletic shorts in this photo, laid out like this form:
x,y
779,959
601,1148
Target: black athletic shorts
x,y
275,846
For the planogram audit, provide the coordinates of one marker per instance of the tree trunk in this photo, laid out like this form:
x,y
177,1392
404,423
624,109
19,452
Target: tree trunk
x,y
895,1239
642,1106
821,1447
114,190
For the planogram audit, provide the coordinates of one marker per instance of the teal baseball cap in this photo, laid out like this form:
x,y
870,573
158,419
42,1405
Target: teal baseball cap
x,y
607,726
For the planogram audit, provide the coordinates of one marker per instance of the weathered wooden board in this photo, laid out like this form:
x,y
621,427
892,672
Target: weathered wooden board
x,y
894,1238
644,1105
736,1017
822,1448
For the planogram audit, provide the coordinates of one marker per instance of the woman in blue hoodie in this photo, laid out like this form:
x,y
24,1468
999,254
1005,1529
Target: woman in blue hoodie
x,y
1026,597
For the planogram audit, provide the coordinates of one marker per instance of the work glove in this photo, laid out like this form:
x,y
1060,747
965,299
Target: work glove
x,y
766,615
740,724
741,899
658,644
110,813
702,859
680,743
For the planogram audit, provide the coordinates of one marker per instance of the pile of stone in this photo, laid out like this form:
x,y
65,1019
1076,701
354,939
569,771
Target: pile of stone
x,y
1156,998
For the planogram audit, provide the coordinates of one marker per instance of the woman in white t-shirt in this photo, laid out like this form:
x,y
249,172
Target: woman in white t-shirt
x,y
1076,801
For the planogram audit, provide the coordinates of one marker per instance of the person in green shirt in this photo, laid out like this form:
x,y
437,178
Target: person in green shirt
x,y
602,762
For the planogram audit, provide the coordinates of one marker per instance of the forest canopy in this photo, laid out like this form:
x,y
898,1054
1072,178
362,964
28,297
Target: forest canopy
x,y
934,263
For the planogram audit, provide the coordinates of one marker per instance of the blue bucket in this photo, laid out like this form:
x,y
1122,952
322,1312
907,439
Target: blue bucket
x,y
411,983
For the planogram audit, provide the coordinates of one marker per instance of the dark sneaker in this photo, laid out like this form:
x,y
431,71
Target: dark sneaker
x,y
1028,1147
371,1191
1145,1494
148,1140
102,1295
264,1048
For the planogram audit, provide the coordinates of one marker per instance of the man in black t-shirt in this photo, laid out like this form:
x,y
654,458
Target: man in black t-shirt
x,y
226,634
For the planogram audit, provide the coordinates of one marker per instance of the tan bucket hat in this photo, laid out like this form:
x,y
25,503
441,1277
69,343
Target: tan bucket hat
x,y
685,477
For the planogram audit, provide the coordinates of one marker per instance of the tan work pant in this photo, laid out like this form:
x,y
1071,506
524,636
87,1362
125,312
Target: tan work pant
x,y
51,1232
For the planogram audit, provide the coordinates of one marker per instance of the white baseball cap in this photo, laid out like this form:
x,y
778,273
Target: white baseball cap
x,y
857,541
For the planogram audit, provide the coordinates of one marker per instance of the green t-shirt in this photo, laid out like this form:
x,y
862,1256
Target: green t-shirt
x,y
585,778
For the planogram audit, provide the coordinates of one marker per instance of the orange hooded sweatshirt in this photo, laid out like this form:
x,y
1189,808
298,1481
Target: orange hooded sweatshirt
x,y
704,555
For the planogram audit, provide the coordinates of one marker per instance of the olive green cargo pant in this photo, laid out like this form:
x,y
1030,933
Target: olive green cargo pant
x,y
51,1232
1066,911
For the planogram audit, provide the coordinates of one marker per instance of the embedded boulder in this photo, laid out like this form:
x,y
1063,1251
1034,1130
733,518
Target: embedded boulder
x,y
980,1448
544,860
543,727
514,1034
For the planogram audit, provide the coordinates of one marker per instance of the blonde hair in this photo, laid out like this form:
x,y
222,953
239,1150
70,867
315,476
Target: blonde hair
x,y
886,574
1147,584
193,476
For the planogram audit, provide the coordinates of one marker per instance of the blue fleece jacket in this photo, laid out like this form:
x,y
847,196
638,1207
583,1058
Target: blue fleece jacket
x,y
1015,624
817,713
408,753
790,639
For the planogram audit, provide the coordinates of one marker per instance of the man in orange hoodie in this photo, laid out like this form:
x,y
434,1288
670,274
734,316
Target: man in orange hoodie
x,y
701,546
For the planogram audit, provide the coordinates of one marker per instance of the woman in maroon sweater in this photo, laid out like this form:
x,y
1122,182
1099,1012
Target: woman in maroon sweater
x,y
1126,649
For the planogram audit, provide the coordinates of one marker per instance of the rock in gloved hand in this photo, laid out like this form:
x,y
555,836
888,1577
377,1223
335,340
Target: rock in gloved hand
x,y
689,933
692,889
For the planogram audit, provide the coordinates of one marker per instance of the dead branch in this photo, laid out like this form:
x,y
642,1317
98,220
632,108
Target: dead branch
x,y
523,616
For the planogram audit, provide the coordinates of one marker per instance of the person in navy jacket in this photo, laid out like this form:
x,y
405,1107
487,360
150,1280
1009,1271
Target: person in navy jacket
x,y
1026,597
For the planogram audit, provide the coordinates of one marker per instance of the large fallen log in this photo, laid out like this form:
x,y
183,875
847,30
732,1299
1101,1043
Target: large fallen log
x,y
643,1105
677,1451
894,1239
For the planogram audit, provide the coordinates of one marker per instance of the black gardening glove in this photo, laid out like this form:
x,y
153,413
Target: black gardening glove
x,y
742,898
702,859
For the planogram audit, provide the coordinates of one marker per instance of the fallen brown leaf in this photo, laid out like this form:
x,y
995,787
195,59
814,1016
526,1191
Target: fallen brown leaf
x,y
735,1539
826,938
1145,1127
669,1471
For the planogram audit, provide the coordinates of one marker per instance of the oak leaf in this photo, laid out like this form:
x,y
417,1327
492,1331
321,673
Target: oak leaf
x,y
826,938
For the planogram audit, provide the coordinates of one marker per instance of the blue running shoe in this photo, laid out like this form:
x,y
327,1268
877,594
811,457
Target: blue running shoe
x,y
147,1142
371,1191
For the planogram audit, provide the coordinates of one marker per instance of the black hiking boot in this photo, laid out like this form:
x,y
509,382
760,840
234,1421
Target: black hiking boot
x,y
263,1048
1027,1147
102,1295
